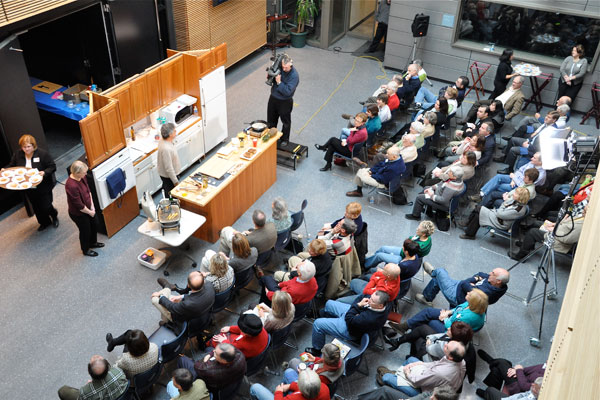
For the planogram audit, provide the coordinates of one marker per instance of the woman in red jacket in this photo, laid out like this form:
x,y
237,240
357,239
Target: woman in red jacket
x,y
248,336
308,387
358,135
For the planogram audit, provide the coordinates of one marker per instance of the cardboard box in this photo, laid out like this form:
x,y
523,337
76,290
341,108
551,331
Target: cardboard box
x,y
73,93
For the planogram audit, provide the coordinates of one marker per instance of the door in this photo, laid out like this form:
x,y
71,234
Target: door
x,y
139,98
153,89
92,134
122,94
361,21
143,178
114,138
214,116
212,85
339,19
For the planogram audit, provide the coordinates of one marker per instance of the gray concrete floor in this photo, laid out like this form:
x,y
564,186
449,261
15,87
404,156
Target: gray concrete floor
x,y
57,305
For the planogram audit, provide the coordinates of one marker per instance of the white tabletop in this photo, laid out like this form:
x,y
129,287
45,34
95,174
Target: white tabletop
x,y
189,223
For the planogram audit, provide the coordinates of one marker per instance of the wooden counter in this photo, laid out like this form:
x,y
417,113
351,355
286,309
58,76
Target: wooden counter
x,y
223,205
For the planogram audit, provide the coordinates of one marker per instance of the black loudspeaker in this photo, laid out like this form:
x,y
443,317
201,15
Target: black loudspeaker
x,y
420,25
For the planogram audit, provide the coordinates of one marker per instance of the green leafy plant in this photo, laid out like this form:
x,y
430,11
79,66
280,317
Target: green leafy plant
x,y
305,10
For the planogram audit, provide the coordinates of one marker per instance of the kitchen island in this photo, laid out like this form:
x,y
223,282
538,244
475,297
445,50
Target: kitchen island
x,y
223,202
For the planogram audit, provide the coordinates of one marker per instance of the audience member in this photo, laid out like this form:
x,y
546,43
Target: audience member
x,y
487,130
243,256
475,144
424,99
353,212
472,128
515,379
512,101
494,285
193,301
439,194
318,255
344,147
513,208
406,258
443,392
497,114
262,237
467,161
183,386
302,288
528,125
308,387
339,239
373,124
349,322
281,217
409,86
139,355
381,174
494,394
219,368
279,315
415,375
386,280
329,367
107,383
216,270
248,336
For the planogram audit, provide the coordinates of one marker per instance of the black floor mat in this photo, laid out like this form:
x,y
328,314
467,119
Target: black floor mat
x,y
362,51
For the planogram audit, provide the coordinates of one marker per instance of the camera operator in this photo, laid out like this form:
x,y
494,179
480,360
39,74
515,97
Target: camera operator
x,y
281,101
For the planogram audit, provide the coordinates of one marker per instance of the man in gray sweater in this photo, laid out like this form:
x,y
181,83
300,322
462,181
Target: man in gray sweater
x,y
167,159
440,194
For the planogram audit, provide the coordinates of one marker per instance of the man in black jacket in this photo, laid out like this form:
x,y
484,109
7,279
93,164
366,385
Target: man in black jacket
x,y
349,322
196,299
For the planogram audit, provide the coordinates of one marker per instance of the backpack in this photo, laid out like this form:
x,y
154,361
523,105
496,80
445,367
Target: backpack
x,y
399,196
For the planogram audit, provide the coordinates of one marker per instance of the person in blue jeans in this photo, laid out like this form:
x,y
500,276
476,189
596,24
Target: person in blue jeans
x,y
494,285
407,257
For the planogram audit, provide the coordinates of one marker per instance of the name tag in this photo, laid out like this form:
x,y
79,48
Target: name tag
x,y
36,159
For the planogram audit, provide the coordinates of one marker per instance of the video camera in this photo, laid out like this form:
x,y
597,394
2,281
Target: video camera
x,y
274,69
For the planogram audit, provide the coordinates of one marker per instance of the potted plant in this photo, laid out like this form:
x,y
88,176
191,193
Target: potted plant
x,y
305,10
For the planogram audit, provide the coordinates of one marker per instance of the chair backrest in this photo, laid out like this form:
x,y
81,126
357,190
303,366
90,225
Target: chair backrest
x,y
297,219
454,201
404,288
279,337
126,394
222,299
301,310
243,278
228,392
254,364
170,350
263,258
197,325
283,238
353,360
333,388
144,381
514,229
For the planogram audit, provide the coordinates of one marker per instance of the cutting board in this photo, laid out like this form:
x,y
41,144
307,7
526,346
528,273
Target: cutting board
x,y
216,167
46,87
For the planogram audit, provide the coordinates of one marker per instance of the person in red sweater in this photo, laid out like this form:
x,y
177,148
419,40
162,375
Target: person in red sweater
x,y
329,367
308,387
393,100
386,279
302,288
248,336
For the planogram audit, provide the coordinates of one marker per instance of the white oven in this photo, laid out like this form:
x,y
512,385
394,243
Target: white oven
x,y
120,160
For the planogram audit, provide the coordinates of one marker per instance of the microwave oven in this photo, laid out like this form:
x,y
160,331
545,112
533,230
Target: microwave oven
x,y
179,110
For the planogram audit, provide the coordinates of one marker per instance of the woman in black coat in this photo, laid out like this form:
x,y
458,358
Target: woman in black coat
x,y
503,74
40,197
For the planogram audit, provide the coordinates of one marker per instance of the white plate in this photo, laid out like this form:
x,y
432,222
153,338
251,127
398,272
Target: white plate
x,y
8,173
25,185
36,179
20,171
32,171
4,180
18,178
12,185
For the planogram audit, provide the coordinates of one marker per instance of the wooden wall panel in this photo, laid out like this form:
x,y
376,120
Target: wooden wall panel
x,y
239,23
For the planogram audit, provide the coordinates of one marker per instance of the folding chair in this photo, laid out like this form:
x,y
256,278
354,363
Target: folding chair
x,y
511,233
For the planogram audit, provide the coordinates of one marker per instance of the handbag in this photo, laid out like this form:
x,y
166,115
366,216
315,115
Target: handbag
x,y
116,183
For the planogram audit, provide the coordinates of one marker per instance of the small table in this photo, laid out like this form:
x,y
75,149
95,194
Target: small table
x,y
189,223
45,101
534,72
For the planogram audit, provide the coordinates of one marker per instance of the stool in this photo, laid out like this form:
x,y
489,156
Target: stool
x,y
595,110
536,97
479,68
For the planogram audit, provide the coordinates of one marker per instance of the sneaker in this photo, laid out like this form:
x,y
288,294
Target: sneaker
x,y
427,267
421,299
347,116
383,370
465,236
401,328
476,198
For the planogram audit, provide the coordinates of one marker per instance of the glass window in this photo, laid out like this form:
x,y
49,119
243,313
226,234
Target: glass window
x,y
545,33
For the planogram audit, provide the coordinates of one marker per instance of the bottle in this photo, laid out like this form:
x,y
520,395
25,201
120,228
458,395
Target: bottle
x,y
301,367
371,199
132,132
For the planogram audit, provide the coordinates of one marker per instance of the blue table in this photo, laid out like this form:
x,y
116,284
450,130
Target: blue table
x,y
46,102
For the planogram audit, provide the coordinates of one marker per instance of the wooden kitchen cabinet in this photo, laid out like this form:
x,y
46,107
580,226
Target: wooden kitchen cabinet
x,y
139,96
171,80
153,88
220,54
102,134
123,95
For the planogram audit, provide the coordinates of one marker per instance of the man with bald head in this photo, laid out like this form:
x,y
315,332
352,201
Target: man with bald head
x,y
387,280
494,285
193,301
381,174
108,383
410,84
512,101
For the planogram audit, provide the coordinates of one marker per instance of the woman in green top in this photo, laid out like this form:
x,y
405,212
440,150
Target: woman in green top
x,y
422,238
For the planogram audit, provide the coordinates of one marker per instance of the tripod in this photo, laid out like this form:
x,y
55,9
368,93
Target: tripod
x,y
412,58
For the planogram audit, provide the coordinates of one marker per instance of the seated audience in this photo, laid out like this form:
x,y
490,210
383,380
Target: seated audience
x,y
329,367
439,194
344,147
472,312
302,288
467,161
139,355
416,376
384,110
529,124
487,130
528,176
349,322
248,336
515,379
281,217
279,315
219,368
338,240
443,392
495,394
308,387
193,301
183,386
513,208
409,86
567,235
423,127
215,269
318,255
107,383
262,237
476,144
386,280
353,210
496,113
472,128
381,174
494,285
243,256
424,100
406,258
580,198
523,147
512,101
373,124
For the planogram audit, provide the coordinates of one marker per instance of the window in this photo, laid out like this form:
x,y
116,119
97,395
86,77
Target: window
x,y
538,32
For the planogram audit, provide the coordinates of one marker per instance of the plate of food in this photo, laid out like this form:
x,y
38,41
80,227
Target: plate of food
x,y
18,178
250,153
12,185
25,185
21,171
32,171
35,179
8,173
4,180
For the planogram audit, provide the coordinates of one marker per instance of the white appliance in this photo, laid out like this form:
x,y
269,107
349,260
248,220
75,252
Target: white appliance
x,y
179,110
120,160
214,108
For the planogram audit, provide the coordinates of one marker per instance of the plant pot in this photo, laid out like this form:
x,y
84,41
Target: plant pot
x,y
298,39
